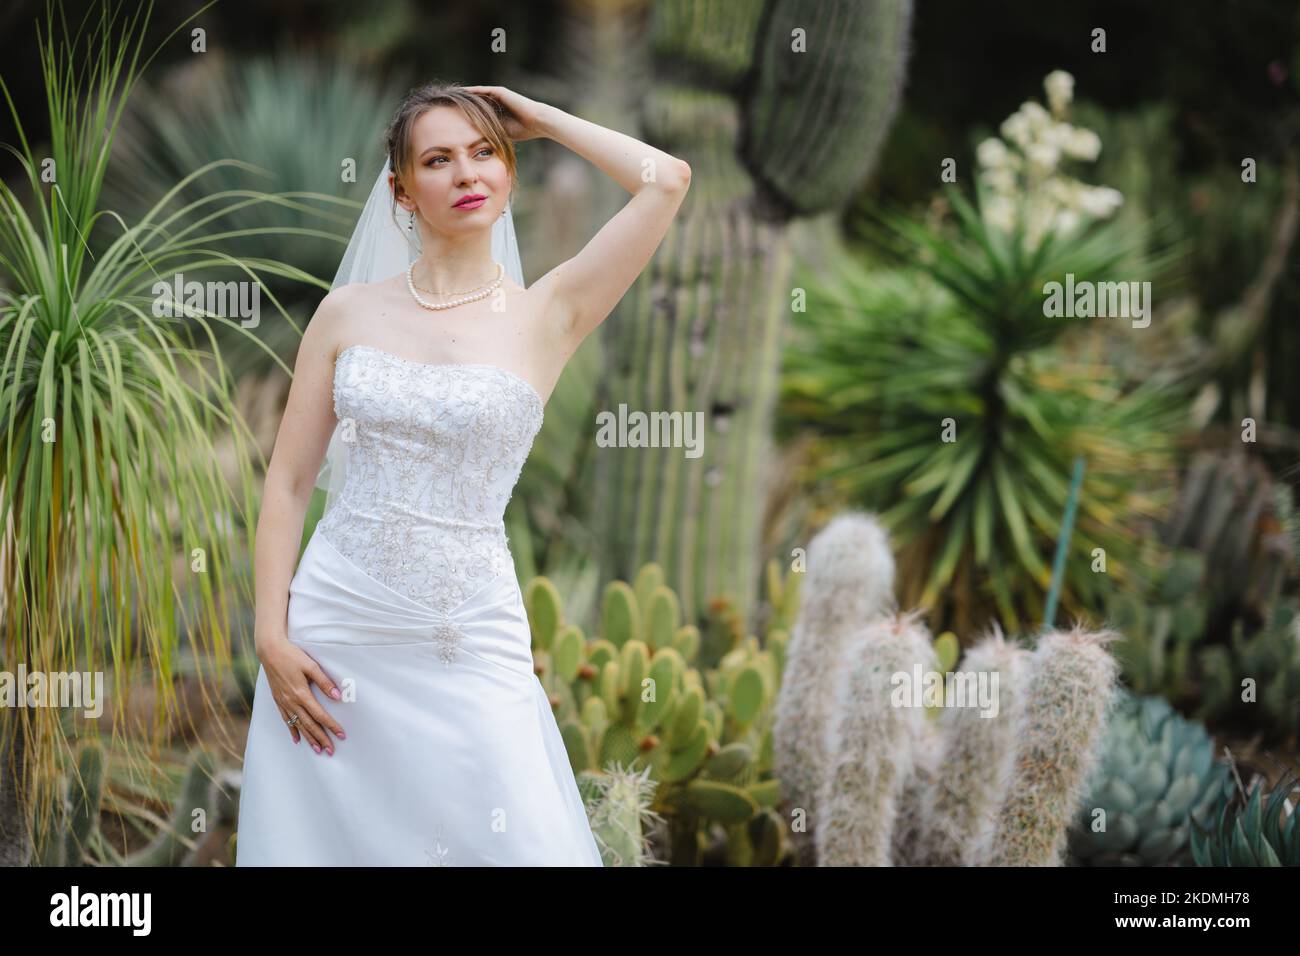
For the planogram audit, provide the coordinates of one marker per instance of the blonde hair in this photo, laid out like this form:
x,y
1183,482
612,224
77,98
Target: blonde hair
x,y
481,111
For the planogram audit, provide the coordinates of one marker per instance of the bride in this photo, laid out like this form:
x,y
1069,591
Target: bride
x,y
399,647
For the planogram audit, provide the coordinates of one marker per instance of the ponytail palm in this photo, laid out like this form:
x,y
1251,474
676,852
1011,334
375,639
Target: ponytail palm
x,y
115,513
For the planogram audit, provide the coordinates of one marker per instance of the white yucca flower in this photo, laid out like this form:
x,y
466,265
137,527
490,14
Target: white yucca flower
x,y
992,153
1060,91
1099,201
1082,144
999,212
1016,129
1038,117
1021,177
1043,156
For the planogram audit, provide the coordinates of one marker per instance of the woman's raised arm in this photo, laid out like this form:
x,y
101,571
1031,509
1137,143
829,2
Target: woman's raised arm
x,y
582,291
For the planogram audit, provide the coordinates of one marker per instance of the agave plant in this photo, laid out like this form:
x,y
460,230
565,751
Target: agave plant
x,y
1250,827
113,503
1157,775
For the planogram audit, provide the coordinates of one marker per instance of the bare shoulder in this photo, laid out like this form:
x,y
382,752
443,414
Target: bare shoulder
x,y
340,315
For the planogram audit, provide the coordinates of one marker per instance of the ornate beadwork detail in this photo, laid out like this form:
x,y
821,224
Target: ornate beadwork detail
x,y
447,634
438,451
438,855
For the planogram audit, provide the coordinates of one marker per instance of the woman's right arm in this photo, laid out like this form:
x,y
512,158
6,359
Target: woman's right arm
x,y
300,446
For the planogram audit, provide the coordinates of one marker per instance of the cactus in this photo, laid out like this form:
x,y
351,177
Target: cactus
x,y
73,835
1270,658
619,812
1163,628
1071,680
1157,773
976,761
873,746
67,840
635,699
854,583
903,784
700,333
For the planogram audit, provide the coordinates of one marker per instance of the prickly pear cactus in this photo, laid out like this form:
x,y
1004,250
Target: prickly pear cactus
x,y
634,698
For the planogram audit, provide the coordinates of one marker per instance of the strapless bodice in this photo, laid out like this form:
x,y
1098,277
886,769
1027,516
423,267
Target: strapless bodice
x,y
434,453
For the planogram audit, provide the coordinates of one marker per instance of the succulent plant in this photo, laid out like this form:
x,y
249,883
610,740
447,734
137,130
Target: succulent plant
x,y
1251,827
1163,627
72,837
1270,660
1156,774
637,698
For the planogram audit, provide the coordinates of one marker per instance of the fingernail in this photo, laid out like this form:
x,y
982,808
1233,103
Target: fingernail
x,y
315,747
342,735
330,751
335,693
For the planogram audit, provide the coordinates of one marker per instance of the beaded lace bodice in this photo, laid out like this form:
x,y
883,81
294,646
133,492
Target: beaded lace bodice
x,y
437,451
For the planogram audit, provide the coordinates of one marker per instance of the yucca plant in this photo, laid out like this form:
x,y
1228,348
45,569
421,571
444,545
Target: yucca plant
x,y
953,401
113,505
960,334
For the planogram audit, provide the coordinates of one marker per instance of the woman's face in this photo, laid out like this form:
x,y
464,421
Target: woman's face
x,y
451,160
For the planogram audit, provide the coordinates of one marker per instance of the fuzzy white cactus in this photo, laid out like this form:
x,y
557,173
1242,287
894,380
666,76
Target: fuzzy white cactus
x,y
850,581
873,744
886,784
1067,702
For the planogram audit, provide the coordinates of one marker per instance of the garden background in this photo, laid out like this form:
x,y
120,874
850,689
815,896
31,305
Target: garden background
x,y
1101,509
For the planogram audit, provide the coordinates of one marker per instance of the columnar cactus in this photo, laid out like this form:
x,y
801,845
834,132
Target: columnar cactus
x,y
907,785
781,108
1071,684
873,748
853,584
974,762
68,839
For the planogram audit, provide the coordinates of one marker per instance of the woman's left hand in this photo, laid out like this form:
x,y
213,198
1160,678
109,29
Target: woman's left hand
x,y
521,116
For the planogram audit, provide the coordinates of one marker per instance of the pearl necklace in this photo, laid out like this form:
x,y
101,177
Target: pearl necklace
x,y
486,290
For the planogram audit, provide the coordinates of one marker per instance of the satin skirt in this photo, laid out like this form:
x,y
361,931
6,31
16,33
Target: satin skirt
x,y
452,757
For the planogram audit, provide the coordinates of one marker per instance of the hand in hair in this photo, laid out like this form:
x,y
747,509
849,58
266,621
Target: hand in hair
x,y
520,115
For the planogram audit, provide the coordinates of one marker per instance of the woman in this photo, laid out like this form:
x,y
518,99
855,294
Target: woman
x,y
431,739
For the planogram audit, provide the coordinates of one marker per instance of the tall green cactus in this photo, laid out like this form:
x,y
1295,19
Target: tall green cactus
x,y
898,784
780,107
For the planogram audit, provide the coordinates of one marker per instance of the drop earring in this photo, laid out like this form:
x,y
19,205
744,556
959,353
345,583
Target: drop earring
x,y
410,219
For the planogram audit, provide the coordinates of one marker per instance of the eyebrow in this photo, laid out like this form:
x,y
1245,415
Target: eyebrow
x,y
447,149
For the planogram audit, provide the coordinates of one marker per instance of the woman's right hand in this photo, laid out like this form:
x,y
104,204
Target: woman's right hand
x,y
291,671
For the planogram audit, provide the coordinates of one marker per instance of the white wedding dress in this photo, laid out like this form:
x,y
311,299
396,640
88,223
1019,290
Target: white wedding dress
x,y
407,597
